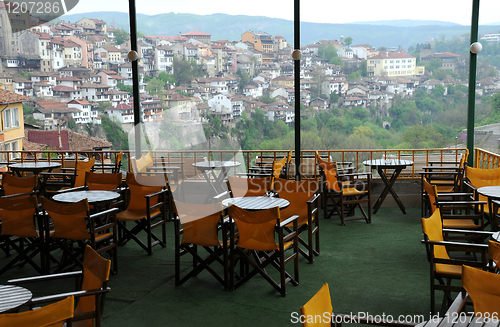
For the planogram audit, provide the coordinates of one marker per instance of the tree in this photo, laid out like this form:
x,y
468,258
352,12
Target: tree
x,y
495,103
155,87
120,36
104,105
167,78
348,41
334,98
185,70
329,52
318,77
125,88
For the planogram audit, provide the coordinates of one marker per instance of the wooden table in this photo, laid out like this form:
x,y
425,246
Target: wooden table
x,y
382,164
12,297
35,167
215,181
256,202
493,194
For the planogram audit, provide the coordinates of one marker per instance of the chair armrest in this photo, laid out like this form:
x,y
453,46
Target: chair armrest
x,y
313,198
458,304
356,174
34,192
44,278
76,294
470,246
103,213
288,220
156,193
461,231
79,188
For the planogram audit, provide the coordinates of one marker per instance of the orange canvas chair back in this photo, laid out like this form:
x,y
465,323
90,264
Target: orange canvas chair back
x,y
118,161
199,222
95,273
330,174
69,218
318,310
141,185
17,216
102,182
143,163
52,315
483,288
81,168
240,186
14,185
483,177
494,252
431,193
256,228
297,193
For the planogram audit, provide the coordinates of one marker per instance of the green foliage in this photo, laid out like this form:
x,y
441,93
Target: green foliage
x,y
71,124
266,97
329,52
348,41
334,98
114,134
433,64
155,87
120,36
166,78
27,110
104,105
495,103
185,70
125,88
31,120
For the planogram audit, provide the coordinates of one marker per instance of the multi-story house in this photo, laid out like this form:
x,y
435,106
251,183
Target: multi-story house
x,y
200,36
334,85
71,51
57,53
84,113
237,106
280,43
108,54
283,81
110,78
64,30
22,86
70,81
263,42
52,113
66,93
450,61
207,63
95,92
12,128
394,64
123,113
87,51
45,77
97,25
42,90
6,82
12,28
117,96
152,108
163,59
279,111
37,45
219,84
180,107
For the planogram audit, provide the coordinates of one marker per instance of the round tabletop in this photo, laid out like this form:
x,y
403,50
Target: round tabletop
x,y
12,297
256,202
216,164
490,191
91,196
34,166
388,163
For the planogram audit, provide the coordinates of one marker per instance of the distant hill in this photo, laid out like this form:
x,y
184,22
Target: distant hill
x,y
395,33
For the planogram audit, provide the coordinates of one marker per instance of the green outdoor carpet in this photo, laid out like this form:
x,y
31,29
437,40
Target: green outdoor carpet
x,y
378,268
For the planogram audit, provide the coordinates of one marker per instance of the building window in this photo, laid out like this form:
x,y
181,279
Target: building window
x,y
11,117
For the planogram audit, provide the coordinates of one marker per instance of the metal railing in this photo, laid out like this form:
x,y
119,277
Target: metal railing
x,y
420,157
486,159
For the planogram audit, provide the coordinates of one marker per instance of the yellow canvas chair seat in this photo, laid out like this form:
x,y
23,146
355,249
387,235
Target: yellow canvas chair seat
x,y
477,177
443,268
455,214
52,315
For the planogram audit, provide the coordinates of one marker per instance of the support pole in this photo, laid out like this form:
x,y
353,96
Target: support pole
x,y
135,79
472,84
296,24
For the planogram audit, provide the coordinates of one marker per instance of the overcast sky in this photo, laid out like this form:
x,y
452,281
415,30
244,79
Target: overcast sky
x,y
320,11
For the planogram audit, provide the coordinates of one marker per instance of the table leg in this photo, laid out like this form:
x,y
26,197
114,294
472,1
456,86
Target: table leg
x,y
493,209
388,188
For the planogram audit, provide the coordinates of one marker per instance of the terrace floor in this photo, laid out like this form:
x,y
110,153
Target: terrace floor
x,y
378,268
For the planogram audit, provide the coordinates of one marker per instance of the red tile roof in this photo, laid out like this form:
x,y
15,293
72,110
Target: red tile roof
x,y
11,97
